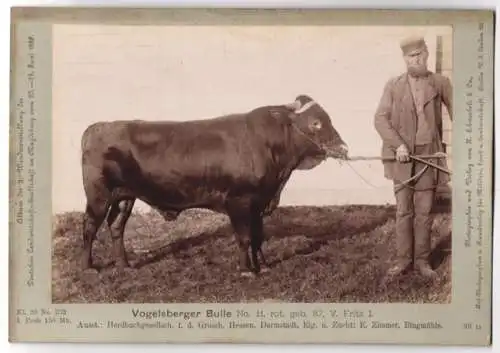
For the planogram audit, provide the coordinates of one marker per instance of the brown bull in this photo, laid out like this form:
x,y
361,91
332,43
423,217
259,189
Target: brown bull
x,y
236,164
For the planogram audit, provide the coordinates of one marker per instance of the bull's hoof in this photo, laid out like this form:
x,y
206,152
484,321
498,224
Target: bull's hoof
x,y
90,276
265,270
247,274
90,271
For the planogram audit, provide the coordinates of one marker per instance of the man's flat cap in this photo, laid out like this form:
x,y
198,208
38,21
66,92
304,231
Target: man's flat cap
x,y
413,45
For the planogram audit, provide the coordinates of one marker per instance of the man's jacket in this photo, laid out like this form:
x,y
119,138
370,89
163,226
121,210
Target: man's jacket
x,y
396,121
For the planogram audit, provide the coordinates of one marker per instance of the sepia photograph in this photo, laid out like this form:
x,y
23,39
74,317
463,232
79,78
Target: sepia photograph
x,y
257,164
251,176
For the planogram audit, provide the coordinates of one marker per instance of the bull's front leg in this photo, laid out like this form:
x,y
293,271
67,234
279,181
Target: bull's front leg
x,y
241,220
242,234
257,239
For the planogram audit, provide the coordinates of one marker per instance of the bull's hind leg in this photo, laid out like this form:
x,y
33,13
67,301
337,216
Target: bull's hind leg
x,y
117,219
92,220
98,196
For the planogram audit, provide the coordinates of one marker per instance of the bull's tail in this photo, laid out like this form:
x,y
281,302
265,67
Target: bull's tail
x,y
107,207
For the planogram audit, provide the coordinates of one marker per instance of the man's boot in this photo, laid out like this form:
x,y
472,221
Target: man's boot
x,y
400,267
423,251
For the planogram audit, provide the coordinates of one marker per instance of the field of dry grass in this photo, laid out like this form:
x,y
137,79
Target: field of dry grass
x,y
317,254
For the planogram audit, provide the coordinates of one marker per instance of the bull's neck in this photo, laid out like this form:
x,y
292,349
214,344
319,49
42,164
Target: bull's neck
x,y
304,145
301,145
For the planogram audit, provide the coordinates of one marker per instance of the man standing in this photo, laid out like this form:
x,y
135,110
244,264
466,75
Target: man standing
x,y
409,121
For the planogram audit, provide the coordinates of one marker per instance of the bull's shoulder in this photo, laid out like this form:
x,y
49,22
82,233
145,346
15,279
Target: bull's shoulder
x,y
270,127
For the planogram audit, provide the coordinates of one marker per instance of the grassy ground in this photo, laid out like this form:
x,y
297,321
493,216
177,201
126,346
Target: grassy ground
x,y
317,254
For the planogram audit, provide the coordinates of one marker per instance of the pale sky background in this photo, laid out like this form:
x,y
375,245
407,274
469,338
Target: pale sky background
x,y
191,72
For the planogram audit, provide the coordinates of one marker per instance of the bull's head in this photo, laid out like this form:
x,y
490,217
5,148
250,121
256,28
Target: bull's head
x,y
314,124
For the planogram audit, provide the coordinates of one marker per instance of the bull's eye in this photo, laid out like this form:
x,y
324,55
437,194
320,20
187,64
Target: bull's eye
x,y
316,125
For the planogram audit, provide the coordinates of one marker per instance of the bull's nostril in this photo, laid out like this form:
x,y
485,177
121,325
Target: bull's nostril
x,y
344,151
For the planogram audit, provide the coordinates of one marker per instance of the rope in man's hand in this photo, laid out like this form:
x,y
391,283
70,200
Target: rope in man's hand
x,y
420,158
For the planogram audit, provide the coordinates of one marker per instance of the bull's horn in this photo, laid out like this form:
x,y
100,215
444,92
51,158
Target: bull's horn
x,y
305,107
294,106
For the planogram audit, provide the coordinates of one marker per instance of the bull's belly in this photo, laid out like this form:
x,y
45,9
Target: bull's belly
x,y
170,192
176,198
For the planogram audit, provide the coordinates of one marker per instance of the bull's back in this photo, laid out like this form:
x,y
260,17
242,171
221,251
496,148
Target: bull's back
x,y
211,153
184,162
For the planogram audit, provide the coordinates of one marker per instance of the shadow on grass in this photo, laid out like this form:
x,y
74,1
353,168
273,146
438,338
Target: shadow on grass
x,y
441,251
329,223
180,245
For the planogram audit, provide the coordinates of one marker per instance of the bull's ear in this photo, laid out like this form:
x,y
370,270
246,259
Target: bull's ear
x,y
278,113
294,106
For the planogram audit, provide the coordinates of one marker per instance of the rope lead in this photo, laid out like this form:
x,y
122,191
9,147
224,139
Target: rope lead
x,y
419,158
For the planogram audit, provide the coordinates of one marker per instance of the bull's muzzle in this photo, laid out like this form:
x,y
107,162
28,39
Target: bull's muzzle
x,y
338,152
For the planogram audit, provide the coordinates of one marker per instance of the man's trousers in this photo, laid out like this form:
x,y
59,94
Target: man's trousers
x,y
413,213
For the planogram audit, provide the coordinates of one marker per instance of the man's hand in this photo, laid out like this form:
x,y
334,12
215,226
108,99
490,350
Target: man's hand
x,y
402,154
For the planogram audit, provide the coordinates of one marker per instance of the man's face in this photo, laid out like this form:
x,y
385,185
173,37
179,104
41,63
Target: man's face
x,y
416,62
